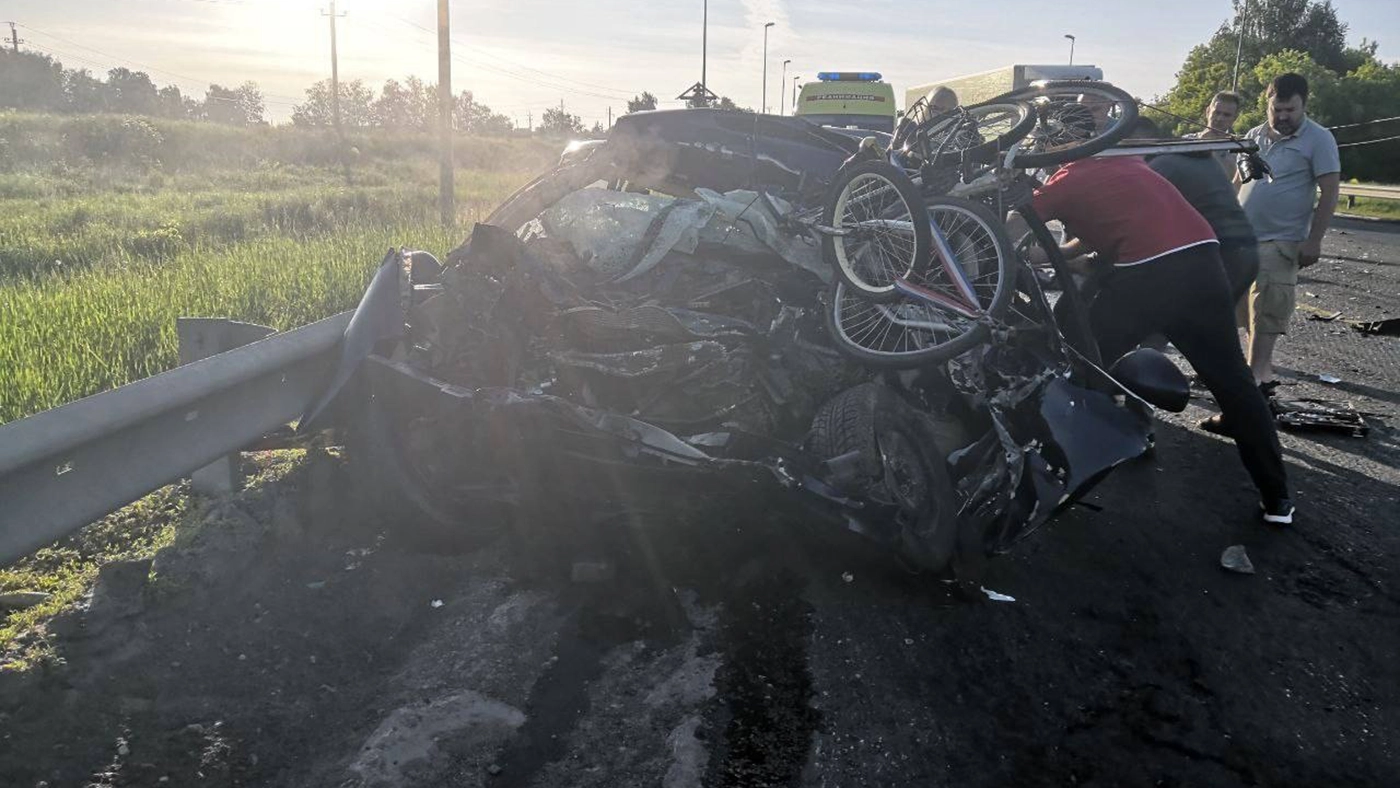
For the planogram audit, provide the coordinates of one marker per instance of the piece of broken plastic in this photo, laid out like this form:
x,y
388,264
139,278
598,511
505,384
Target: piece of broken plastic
x,y
1328,378
995,597
1236,559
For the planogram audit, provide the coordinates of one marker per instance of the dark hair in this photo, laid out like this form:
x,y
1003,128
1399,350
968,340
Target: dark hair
x,y
1286,86
1145,129
1234,98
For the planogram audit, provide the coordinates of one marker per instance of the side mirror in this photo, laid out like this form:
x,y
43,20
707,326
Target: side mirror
x,y
1152,376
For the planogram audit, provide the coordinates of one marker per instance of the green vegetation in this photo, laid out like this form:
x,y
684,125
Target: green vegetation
x,y
1348,84
1370,206
111,227
67,569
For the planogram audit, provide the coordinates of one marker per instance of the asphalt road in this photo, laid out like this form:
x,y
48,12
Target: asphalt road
x,y
298,650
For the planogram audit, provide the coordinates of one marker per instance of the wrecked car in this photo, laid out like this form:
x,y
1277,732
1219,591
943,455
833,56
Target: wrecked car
x,y
639,330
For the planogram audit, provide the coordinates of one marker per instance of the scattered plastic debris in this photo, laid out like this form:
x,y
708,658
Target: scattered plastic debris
x,y
848,577
1329,378
1236,559
435,604
1387,327
1325,317
316,585
1315,414
995,597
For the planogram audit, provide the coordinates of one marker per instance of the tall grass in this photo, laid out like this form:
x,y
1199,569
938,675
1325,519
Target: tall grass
x,y
112,228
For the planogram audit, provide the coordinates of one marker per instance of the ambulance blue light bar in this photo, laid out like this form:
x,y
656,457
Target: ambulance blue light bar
x,y
849,76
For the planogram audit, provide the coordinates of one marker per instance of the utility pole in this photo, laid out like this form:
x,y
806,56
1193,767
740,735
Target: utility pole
x,y
445,187
795,80
609,117
530,121
14,39
1239,47
335,71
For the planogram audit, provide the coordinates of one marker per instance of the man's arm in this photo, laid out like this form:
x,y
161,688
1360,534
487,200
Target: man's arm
x,y
1330,186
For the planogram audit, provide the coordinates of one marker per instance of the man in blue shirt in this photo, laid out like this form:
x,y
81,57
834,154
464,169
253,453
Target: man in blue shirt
x,y
1304,160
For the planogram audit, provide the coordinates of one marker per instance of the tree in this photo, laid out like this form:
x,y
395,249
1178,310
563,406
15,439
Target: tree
x,y
85,92
1348,85
356,105
250,102
557,122
641,103
31,81
393,108
132,92
170,103
473,117
221,106
1270,27
727,103
241,107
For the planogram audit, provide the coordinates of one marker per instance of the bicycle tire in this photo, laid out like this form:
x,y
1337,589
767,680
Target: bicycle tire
x,y
885,334
875,193
1061,136
1017,118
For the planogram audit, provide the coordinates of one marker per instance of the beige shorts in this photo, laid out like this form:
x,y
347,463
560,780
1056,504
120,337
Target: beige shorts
x,y
1271,298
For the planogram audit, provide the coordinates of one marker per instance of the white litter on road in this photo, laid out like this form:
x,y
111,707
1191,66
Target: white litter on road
x,y
995,597
436,603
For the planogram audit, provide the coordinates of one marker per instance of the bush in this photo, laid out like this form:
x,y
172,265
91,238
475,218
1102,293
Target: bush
x,y
101,138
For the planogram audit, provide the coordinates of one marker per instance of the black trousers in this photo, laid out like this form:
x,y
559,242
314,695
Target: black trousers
x,y
1186,296
1241,261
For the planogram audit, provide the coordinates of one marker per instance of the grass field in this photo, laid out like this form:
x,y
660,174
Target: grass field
x,y
110,228
1369,206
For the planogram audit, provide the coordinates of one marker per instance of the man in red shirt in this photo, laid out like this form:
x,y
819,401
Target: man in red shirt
x,y
1162,274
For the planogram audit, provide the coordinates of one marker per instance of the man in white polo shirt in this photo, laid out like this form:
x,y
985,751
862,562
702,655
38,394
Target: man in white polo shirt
x,y
1303,157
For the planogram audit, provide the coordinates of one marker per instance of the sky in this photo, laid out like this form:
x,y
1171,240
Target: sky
x,y
523,56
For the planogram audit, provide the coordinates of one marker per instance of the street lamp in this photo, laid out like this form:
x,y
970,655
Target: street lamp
x,y
763,105
795,80
1071,48
782,82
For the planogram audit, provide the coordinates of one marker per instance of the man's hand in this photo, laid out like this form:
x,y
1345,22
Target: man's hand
x,y
1309,253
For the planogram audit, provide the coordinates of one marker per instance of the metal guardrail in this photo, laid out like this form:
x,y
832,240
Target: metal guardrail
x,y
67,467
1371,190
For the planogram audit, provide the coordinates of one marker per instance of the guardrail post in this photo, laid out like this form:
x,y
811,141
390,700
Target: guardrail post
x,y
201,337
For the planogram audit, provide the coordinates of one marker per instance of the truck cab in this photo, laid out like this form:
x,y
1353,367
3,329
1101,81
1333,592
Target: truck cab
x,y
846,99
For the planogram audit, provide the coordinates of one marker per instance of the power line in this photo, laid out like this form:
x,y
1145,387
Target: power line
x,y
1375,122
139,65
556,78
1368,142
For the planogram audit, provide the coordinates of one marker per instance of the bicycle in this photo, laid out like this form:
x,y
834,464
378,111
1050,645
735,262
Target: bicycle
x,y
889,307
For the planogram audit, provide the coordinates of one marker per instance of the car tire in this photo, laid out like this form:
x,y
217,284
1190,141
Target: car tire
x,y
896,457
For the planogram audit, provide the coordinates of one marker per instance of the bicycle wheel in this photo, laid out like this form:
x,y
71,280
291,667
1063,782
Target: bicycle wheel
x,y
998,125
909,332
1074,120
879,229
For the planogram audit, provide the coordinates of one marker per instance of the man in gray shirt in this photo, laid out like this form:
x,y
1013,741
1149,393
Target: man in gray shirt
x,y
1303,158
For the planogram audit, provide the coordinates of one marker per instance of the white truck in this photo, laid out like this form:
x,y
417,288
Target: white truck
x,y
976,88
